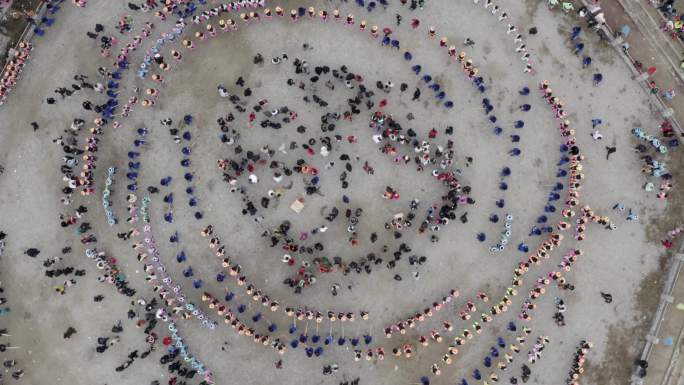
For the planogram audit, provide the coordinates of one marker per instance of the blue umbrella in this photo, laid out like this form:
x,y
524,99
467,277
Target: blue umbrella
x,y
181,257
487,362
367,339
501,342
494,351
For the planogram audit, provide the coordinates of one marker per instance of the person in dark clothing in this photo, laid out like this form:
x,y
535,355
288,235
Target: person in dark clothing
x,y
607,297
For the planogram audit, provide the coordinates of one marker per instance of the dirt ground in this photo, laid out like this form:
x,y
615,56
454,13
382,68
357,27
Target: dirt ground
x,y
626,262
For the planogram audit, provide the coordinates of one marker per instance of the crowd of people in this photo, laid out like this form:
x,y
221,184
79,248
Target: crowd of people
x,y
303,248
12,70
387,133
578,363
250,208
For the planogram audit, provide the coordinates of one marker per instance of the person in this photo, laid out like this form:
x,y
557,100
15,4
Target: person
x,y
575,32
607,297
69,332
222,91
610,150
631,216
598,78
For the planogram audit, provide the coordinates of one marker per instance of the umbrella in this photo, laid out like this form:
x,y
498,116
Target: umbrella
x,y
32,252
